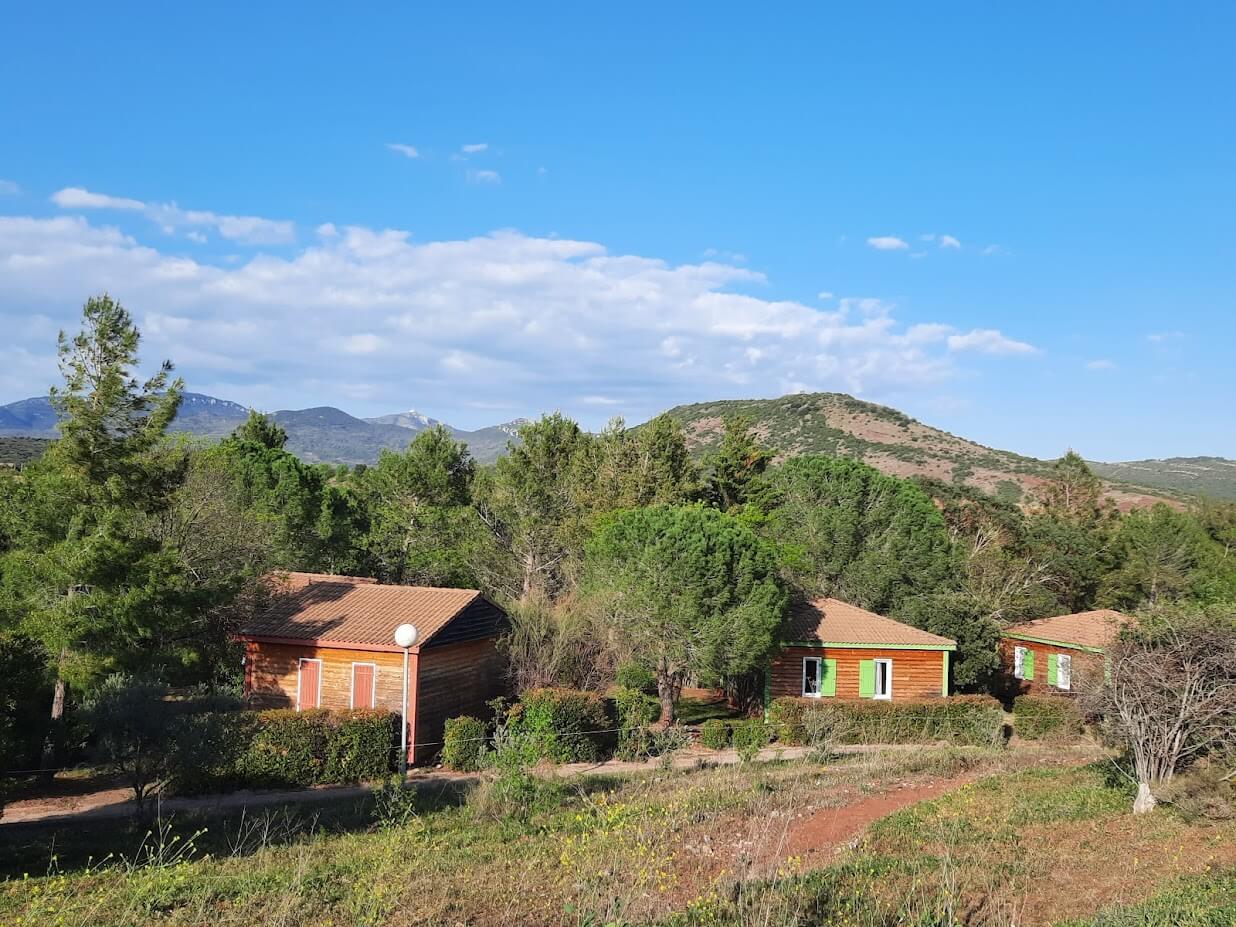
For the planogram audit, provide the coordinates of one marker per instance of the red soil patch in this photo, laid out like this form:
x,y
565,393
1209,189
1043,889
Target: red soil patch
x,y
817,839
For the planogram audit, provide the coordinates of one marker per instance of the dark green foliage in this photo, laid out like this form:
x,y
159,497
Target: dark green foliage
x,y
960,618
635,676
848,531
560,725
736,467
750,737
463,747
1166,556
1043,717
715,734
635,712
283,748
687,590
417,505
25,693
131,724
975,720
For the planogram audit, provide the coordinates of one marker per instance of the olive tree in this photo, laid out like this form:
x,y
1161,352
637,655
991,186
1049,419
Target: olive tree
x,y
1170,693
689,591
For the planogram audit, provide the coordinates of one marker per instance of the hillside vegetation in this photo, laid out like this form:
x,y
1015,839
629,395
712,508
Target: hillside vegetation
x,y
839,425
1203,476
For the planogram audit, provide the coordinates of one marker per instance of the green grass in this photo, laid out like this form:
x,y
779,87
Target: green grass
x,y
1203,902
677,848
697,711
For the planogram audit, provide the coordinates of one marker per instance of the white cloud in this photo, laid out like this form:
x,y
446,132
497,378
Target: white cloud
x,y
250,230
9,188
600,400
887,243
988,341
1101,364
408,151
484,177
948,241
196,237
1164,337
454,326
992,249
474,149
824,294
79,198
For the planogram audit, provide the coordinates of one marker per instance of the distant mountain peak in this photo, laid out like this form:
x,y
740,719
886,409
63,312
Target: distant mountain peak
x,y
416,421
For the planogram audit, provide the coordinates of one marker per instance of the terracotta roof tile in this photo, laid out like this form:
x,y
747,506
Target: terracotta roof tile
x,y
352,610
1085,629
834,621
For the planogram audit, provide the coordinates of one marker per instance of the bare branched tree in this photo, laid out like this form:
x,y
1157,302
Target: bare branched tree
x,y
1170,694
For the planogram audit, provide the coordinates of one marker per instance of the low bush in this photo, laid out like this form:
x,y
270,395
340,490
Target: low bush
x,y
1204,791
560,725
750,737
635,712
281,748
976,720
635,676
715,734
1039,717
463,747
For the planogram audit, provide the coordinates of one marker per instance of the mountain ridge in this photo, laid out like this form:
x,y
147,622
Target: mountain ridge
x,y
799,423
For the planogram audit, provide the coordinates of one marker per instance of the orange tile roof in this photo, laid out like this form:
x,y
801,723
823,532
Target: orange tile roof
x,y
354,610
1084,629
834,621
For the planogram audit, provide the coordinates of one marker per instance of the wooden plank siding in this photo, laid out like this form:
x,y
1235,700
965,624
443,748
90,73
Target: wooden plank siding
x,y
270,675
917,674
445,681
1087,665
455,679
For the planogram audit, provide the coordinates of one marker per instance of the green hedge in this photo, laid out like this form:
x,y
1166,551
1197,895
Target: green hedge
x,y
976,720
715,734
561,725
750,737
282,749
1036,717
463,747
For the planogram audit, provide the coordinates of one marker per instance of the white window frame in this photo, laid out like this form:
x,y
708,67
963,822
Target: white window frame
x,y
1064,671
317,699
889,663
373,685
819,677
1019,662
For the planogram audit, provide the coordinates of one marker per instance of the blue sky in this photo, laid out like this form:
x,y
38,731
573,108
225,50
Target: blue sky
x,y
1012,224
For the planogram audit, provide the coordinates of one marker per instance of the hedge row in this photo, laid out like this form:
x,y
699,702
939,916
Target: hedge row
x,y
282,748
1038,717
561,725
976,720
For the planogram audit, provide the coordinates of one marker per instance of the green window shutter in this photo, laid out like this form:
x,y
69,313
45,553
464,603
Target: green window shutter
x,y
828,685
1027,666
1052,668
866,679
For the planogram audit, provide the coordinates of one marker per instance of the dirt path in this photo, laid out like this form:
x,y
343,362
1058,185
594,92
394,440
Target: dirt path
x,y
85,799
818,838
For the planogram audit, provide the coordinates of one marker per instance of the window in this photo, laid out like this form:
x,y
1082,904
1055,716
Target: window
x,y
812,673
883,679
308,684
1064,671
364,685
1019,662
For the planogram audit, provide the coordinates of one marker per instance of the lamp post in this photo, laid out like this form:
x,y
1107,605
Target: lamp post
x,y
405,637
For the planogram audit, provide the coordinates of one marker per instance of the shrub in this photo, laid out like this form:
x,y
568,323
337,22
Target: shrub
x,y
635,712
281,748
785,719
976,720
750,737
715,734
1204,791
635,676
463,747
1036,717
561,725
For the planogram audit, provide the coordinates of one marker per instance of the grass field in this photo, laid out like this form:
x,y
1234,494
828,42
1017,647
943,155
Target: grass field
x,y
1011,842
